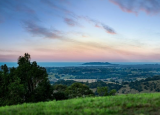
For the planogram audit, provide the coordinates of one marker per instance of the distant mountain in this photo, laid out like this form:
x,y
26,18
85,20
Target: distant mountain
x,y
97,63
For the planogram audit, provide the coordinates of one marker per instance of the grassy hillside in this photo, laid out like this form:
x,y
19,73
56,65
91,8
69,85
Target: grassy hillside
x,y
131,104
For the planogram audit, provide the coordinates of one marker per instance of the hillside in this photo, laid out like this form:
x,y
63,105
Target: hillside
x,y
132,104
146,87
149,85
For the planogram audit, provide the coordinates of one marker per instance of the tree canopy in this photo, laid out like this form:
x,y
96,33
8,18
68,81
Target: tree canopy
x,y
26,83
78,90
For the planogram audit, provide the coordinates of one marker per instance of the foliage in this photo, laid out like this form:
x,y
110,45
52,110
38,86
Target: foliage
x,y
78,90
63,82
99,83
59,87
137,85
26,83
60,92
103,91
112,92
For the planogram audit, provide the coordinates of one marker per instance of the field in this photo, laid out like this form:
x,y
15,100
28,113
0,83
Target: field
x,y
131,104
84,80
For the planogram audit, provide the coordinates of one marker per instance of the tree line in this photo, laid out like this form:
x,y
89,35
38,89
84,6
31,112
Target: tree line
x,y
96,84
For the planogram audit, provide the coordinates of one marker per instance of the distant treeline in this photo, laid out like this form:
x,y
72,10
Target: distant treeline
x,y
104,72
99,83
137,85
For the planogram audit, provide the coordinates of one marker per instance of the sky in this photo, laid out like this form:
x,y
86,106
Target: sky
x,y
80,30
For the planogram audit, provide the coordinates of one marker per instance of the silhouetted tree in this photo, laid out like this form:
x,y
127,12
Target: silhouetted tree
x,y
26,83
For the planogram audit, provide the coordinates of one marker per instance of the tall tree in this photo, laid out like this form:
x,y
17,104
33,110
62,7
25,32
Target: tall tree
x,y
26,83
34,78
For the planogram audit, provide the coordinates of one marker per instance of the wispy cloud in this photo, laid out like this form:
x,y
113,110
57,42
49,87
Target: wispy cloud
x,y
49,50
8,51
99,24
71,22
51,4
57,5
41,31
84,48
24,8
79,34
108,29
8,57
14,8
38,30
134,6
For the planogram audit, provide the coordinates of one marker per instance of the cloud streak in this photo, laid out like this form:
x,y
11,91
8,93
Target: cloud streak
x,y
108,29
151,7
100,25
17,9
15,5
71,22
8,51
38,30
47,33
41,31
57,5
8,57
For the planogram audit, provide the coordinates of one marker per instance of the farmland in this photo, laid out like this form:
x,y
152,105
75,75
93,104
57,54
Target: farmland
x,y
117,73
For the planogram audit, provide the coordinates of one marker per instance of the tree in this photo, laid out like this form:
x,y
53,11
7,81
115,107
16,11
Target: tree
x,y
11,91
78,90
26,83
102,91
34,78
59,87
60,92
112,92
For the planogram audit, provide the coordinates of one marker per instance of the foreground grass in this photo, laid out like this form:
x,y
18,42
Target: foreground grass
x,y
131,104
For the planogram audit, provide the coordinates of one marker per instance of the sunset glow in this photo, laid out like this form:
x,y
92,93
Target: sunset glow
x,y
80,30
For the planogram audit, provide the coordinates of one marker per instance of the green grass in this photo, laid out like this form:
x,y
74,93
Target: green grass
x,y
131,104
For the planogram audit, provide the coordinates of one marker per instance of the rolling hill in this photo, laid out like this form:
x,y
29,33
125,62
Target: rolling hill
x,y
130,104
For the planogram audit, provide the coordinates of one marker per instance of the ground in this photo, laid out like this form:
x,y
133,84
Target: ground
x,y
130,104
